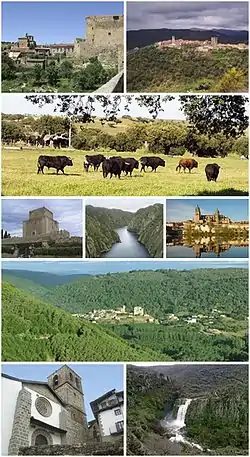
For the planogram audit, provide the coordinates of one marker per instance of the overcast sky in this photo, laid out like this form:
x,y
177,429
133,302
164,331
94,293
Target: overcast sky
x,y
126,204
16,104
187,15
67,212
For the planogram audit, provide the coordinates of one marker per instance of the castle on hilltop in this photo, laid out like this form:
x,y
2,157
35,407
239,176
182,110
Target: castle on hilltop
x,y
203,46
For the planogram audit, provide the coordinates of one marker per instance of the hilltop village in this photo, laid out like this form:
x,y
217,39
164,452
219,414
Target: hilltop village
x,y
202,46
119,315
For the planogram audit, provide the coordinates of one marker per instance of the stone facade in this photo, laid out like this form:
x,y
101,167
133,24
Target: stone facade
x,y
104,39
21,422
40,222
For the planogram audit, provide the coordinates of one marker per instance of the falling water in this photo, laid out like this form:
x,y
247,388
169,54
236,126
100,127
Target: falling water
x,y
176,426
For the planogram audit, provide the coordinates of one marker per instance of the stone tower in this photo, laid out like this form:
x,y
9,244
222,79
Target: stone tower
x,y
40,222
67,384
217,216
197,214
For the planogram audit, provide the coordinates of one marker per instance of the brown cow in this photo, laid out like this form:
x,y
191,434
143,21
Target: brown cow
x,y
187,163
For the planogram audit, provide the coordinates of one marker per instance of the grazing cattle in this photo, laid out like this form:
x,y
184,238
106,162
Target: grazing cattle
x,y
153,162
112,166
129,164
187,164
212,171
94,161
57,162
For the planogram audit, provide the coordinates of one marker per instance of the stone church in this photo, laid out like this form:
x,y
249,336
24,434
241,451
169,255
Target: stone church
x,y
43,413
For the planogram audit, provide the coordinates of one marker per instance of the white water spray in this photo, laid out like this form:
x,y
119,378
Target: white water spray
x,y
178,424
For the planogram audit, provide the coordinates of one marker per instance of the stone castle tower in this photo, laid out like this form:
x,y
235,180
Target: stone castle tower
x,y
67,385
40,222
104,39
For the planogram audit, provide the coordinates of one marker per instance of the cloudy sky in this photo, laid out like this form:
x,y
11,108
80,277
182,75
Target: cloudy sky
x,y
126,204
17,104
186,15
179,210
67,212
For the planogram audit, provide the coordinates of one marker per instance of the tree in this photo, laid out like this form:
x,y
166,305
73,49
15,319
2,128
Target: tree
x,y
8,67
37,73
52,74
232,81
66,69
161,136
91,77
211,114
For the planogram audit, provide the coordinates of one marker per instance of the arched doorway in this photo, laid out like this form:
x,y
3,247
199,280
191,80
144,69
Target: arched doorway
x,y
41,440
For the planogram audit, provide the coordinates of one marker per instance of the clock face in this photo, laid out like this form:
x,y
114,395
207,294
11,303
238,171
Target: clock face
x,y
43,406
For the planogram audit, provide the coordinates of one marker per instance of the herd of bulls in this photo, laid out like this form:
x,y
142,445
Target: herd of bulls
x,y
116,165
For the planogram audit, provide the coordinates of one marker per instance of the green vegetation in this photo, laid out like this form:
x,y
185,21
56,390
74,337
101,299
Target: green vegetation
x,y
100,228
53,249
217,297
146,223
216,419
186,70
35,331
56,75
18,179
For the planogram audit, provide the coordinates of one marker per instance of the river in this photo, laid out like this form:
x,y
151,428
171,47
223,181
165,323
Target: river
x,y
129,247
232,252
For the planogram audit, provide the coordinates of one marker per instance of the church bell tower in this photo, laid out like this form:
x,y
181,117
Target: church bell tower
x,y
197,214
67,384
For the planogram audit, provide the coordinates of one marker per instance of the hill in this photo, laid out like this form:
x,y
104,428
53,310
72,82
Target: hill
x,y
100,228
186,69
146,37
147,224
216,421
35,331
40,277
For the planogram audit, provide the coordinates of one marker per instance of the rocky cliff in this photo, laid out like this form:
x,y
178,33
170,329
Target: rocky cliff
x,y
100,228
147,224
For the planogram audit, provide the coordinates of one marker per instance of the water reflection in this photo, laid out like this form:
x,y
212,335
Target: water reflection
x,y
206,247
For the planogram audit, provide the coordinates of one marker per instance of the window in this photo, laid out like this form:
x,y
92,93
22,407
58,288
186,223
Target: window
x,y
41,440
119,426
117,412
77,383
103,405
71,376
116,18
55,380
109,33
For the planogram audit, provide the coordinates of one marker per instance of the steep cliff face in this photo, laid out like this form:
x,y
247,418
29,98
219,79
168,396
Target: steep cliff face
x,y
100,228
147,224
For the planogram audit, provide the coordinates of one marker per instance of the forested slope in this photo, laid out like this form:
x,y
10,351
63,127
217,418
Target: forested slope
x,y
147,224
35,331
171,70
100,228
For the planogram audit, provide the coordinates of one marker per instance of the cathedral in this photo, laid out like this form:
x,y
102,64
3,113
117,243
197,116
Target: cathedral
x,y
216,218
43,413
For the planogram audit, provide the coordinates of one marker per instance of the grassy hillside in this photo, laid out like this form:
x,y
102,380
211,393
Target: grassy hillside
x,y
216,419
18,179
100,228
147,223
35,331
183,70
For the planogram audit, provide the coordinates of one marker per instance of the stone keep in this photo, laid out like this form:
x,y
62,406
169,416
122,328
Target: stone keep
x,y
40,222
104,39
67,384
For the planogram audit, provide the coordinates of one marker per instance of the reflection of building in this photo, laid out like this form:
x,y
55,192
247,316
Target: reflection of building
x,y
108,412
40,223
43,413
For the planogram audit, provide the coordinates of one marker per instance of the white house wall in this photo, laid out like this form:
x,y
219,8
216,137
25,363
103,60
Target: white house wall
x,y
108,419
56,409
10,391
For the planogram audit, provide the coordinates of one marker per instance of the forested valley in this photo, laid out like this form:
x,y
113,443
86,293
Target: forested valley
x,y
216,420
146,224
201,314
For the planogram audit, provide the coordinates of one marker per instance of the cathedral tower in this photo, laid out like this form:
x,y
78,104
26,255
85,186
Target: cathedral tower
x,y
67,385
197,214
217,216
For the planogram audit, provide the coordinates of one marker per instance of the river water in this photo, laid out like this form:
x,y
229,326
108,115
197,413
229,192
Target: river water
x,y
186,251
129,247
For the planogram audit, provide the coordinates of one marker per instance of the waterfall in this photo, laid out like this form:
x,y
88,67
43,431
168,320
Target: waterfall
x,y
175,426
